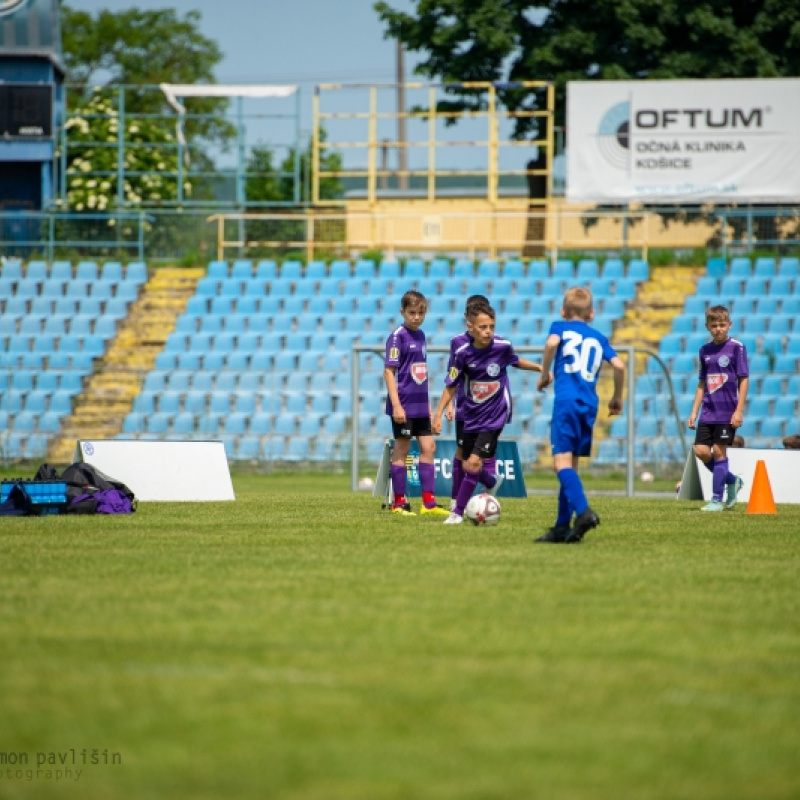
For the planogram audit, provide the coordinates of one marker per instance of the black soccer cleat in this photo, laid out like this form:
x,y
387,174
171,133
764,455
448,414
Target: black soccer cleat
x,y
555,535
583,523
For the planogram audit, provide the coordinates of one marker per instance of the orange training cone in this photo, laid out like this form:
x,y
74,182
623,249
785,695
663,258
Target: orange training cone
x,y
761,500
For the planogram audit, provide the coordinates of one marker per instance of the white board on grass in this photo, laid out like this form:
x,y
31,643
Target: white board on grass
x,y
162,471
783,469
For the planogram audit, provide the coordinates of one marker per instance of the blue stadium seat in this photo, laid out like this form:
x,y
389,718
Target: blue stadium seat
x,y
587,269
563,269
488,269
439,269
538,269
364,269
740,267
765,267
266,270
789,266
414,270
755,286
242,268
389,269
716,267
218,270
11,269
136,272
463,269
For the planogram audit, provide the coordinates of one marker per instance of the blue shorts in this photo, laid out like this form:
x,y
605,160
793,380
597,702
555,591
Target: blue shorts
x,y
571,429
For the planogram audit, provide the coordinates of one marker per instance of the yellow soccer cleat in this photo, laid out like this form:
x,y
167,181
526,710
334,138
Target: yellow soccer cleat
x,y
437,511
404,510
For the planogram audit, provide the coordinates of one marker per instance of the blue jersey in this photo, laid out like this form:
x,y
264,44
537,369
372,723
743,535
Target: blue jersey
x,y
483,372
407,353
721,366
455,343
577,363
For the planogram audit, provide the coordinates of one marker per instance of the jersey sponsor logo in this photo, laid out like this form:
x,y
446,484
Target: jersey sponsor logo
x,y
419,372
493,370
715,382
394,353
481,391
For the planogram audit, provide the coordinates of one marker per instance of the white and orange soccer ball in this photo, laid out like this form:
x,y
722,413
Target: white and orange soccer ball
x,y
483,509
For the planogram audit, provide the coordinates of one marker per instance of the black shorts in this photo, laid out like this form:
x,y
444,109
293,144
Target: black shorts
x,y
480,443
715,433
416,426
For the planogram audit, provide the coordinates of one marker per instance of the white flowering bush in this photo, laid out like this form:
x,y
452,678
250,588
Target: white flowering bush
x,y
150,159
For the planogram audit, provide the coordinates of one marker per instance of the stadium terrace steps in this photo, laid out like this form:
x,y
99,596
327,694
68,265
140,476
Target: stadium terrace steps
x,y
100,409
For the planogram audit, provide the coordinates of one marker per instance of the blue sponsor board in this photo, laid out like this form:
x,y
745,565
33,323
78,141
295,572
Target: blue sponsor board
x,y
508,465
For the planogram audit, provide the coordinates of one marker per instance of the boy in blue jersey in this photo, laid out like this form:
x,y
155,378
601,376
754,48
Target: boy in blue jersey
x,y
481,364
408,405
722,392
577,351
455,410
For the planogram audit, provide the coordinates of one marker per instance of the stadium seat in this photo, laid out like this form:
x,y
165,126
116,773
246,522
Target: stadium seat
x,y
765,267
538,270
740,267
463,269
218,270
587,269
789,267
716,267
564,270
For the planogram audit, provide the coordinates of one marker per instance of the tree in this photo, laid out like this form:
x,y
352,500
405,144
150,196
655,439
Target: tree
x,y
266,184
143,49
564,40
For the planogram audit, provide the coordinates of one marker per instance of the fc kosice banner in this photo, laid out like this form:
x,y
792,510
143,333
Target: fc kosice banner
x,y
508,465
684,141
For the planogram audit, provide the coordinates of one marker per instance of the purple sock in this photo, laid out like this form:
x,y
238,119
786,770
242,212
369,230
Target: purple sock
x,y
709,465
718,481
427,478
399,478
465,492
490,470
458,477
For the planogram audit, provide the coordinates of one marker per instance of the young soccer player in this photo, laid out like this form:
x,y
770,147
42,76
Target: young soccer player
x,y
576,351
481,364
408,405
722,392
455,410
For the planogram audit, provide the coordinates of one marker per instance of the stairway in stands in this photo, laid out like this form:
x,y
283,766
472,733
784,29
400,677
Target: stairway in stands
x,y
100,409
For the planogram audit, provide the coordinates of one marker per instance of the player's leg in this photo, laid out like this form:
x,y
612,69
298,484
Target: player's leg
x,y
705,450
427,473
402,447
458,466
731,484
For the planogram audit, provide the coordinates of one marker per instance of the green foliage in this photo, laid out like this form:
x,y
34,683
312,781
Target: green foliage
x,y
150,158
300,643
564,40
267,183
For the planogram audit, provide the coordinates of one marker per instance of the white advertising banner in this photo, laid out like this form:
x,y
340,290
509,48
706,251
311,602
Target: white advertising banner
x,y
722,141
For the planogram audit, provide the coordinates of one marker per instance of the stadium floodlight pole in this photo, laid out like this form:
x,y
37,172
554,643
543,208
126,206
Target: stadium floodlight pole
x,y
629,350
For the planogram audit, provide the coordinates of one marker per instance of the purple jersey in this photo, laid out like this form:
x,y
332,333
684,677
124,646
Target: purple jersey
x,y
455,343
721,365
487,397
406,352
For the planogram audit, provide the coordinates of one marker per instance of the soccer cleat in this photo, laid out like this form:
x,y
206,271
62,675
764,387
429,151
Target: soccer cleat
x,y
714,505
555,535
404,510
497,484
583,523
732,492
454,519
435,510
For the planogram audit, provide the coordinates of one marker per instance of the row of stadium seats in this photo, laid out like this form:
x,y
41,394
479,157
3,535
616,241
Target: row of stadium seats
x,y
745,267
63,271
438,269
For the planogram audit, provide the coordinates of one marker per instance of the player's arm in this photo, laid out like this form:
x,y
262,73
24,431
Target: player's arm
x,y
450,412
615,403
550,348
738,415
698,400
447,398
390,376
529,365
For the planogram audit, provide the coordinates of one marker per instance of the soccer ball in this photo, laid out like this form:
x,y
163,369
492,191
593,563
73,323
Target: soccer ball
x,y
483,509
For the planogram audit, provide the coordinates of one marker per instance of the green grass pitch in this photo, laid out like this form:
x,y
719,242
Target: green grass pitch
x,y
300,644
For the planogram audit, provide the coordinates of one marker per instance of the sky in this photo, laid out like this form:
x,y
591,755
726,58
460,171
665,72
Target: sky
x,y
307,42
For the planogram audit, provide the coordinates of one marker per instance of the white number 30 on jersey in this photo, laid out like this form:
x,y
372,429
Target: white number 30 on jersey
x,y
582,355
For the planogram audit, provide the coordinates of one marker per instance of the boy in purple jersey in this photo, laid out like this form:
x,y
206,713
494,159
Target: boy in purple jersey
x,y
722,392
455,410
481,365
577,351
408,405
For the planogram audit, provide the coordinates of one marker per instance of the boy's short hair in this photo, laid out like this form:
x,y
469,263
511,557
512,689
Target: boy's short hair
x,y
792,442
412,298
473,309
577,303
473,299
717,314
